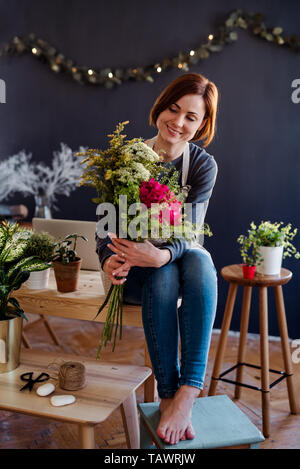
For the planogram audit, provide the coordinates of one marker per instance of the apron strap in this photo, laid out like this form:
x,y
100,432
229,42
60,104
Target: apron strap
x,y
185,160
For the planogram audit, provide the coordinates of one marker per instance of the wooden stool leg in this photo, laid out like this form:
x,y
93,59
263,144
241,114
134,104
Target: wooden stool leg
x,y
50,330
87,436
286,353
130,421
150,386
223,337
264,356
243,337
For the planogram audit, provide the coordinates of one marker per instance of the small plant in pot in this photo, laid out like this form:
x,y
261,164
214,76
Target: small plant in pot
x,y
250,254
274,241
41,245
15,268
66,263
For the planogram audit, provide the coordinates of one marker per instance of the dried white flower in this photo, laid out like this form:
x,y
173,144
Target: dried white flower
x,y
19,174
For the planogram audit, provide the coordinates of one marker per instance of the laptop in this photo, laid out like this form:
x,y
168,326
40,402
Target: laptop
x,y
62,228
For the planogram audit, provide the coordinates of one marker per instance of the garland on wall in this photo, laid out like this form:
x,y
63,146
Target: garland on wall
x,y
109,77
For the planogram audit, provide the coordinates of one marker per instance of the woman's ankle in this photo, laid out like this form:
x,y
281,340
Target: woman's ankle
x,y
188,392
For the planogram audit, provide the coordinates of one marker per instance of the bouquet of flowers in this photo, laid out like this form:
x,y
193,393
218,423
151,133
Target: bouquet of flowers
x,y
130,170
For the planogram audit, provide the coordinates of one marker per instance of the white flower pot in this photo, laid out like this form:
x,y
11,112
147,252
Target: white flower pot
x,y
38,280
271,264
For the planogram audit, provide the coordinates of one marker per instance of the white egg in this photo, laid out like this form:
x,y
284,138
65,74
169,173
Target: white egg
x,y
45,389
58,401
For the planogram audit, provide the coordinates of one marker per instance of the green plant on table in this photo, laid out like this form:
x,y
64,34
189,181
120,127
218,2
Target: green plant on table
x,y
249,249
276,234
15,266
41,245
64,251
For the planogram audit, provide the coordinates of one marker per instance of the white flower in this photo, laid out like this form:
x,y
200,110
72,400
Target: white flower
x,y
19,174
140,151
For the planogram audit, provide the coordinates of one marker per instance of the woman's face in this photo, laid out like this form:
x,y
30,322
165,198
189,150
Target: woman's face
x,y
181,120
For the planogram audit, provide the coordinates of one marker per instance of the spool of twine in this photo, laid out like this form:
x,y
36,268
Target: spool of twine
x,y
71,376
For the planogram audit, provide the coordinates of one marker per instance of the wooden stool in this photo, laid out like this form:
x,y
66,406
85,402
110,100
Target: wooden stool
x,y
217,421
234,275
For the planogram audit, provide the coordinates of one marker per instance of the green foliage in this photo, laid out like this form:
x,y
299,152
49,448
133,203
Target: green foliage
x,y
276,234
15,266
64,252
267,234
121,168
249,250
41,245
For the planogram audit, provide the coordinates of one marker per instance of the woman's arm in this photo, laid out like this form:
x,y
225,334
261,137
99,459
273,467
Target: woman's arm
x,y
202,179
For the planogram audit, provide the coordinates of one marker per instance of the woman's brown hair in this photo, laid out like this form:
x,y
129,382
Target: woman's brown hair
x,y
190,83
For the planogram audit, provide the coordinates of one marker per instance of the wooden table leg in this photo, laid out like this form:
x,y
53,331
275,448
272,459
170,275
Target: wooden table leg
x,y
223,337
264,356
130,421
243,337
87,436
286,352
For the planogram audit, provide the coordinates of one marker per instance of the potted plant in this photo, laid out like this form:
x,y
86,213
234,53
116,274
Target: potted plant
x,y
15,268
250,253
41,245
274,241
66,263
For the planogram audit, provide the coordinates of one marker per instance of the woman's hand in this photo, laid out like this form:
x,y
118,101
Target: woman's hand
x,y
138,254
114,263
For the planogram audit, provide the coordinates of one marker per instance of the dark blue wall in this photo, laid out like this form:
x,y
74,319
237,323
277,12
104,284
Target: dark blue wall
x,y
257,142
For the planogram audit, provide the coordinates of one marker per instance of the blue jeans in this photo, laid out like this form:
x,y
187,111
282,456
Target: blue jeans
x,y
193,278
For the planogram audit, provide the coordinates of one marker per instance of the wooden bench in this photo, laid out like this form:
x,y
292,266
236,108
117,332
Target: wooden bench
x,y
108,386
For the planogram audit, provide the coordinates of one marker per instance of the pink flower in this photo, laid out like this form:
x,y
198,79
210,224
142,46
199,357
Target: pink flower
x,y
153,192
171,212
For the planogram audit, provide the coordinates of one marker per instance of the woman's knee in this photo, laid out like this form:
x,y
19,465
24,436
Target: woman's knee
x,y
198,261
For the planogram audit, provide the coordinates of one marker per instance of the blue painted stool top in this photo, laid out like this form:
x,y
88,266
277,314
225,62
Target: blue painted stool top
x,y
217,422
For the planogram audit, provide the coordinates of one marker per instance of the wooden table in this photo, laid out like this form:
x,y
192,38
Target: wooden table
x,y
108,386
82,304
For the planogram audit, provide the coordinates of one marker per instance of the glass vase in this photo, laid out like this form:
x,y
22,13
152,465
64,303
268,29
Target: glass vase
x,y
42,207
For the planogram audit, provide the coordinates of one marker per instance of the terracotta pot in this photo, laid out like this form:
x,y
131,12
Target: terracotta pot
x,y
249,271
67,275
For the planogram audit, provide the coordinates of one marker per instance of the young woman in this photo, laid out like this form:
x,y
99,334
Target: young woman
x,y
157,276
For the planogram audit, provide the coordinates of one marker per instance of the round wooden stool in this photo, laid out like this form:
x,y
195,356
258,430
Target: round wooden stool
x,y
234,275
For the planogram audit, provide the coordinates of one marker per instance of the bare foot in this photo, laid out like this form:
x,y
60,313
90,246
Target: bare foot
x,y
175,422
189,433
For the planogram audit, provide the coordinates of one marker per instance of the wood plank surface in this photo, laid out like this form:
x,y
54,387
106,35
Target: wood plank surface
x,y
81,304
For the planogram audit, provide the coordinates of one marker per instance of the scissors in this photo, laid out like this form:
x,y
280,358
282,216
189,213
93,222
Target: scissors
x,y
28,377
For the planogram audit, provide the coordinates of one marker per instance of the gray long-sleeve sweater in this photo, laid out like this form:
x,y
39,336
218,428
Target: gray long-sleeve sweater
x,y
201,177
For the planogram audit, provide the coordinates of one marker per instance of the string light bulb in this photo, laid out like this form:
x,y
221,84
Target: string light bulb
x,y
90,72
110,75
34,50
210,37
192,52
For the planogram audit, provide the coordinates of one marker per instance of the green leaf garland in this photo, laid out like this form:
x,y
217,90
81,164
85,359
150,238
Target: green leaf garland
x,y
109,77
